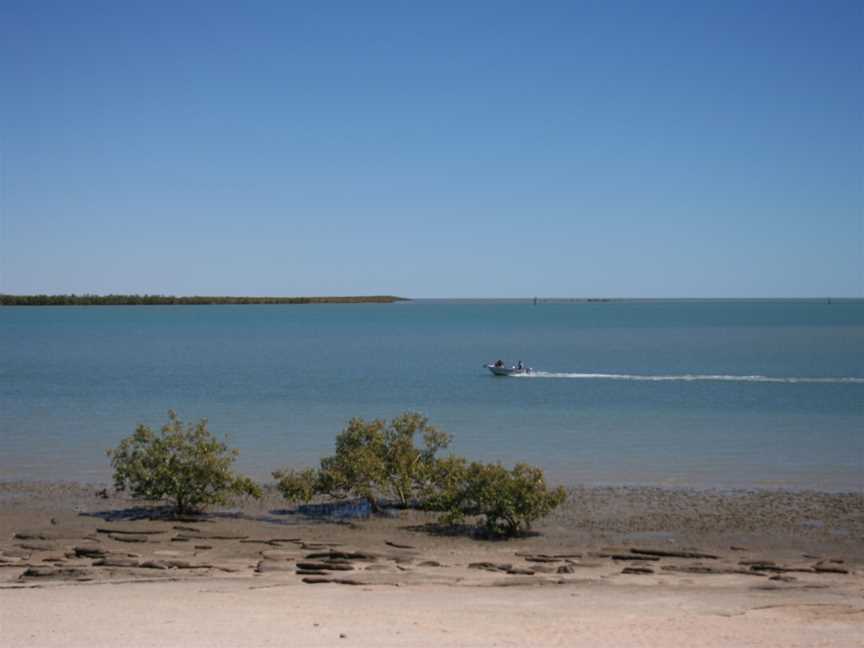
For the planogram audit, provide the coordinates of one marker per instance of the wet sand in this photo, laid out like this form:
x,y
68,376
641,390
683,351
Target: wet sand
x,y
614,566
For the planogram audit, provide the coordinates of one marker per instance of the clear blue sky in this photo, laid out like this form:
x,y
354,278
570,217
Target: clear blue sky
x,y
433,149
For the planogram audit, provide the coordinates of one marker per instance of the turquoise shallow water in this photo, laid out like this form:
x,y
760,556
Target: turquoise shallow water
x,y
691,393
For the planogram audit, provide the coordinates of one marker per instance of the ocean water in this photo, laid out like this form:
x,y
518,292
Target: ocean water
x,y
704,394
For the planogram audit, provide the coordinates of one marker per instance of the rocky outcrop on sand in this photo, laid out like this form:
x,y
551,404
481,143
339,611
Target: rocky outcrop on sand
x,y
65,547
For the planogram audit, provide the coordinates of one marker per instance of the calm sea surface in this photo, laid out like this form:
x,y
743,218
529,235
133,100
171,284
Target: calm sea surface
x,y
677,393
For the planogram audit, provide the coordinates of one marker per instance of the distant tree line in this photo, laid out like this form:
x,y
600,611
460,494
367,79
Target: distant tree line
x,y
159,300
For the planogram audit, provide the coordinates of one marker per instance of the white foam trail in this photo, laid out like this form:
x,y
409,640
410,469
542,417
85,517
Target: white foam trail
x,y
691,378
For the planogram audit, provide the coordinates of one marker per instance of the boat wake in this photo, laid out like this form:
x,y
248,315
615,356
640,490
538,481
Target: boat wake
x,y
692,378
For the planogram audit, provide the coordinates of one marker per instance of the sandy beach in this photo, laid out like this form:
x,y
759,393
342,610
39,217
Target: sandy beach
x,y
615,566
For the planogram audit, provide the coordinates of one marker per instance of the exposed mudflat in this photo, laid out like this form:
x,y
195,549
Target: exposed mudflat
x,y
78,532
674,553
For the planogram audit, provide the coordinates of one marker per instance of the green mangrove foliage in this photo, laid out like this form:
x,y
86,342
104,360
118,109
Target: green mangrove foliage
x,y
507,502
373,460
161,300
378,460
184,464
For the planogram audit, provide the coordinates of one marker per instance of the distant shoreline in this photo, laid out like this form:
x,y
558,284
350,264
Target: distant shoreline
x,y
198,300
169,300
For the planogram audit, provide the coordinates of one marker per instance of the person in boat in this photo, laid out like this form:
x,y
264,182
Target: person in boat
x,y
519,366
499,363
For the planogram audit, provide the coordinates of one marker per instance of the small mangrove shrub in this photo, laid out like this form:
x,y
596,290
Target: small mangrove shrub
x,y
297,485
183,463
374,460
377,460
504,502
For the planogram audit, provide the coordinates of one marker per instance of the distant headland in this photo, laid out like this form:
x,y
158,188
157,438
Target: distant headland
x,y
168,300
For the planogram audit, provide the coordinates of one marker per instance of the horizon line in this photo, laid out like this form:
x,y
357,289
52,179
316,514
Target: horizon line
x,y
390,296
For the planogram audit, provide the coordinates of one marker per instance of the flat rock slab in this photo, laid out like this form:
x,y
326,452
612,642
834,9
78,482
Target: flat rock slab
x,y
210,536
56,573
90,552
325,565
663,553
780,569
39,545
488,566
19,566
522,581
130,531
704,569
31,535
637,570
314,580
275,554
342,555
829,569
128,537
430,563
185,564
110,561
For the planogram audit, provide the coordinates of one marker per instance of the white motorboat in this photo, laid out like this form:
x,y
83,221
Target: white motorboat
x,y
499,369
